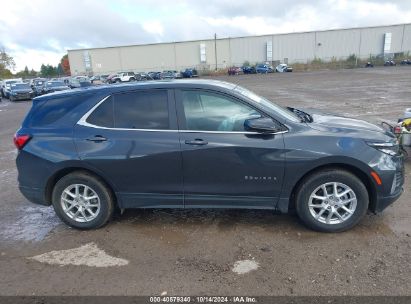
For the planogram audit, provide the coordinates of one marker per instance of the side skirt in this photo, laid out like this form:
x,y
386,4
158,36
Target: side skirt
x,y
154,200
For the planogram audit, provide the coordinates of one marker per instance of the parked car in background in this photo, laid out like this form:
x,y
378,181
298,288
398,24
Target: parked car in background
x,y
37,85
406,62
155,75
167,75
54,86
111,78
170,74
79,82
124,146
141,76
21,91
249,69
264,68
6,86
189,73
369,64
65,80
283,67
1,88
235,70
103,78
98,79
390,63
123,77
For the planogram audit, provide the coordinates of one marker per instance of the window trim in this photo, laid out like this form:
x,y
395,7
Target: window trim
x,y
83,122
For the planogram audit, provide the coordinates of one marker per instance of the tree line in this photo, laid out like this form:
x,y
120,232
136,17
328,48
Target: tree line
x,y
7,65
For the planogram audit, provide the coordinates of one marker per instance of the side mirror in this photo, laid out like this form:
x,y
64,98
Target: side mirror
x,y
261,125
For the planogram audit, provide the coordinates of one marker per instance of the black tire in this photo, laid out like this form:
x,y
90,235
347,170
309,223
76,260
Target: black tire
x,y
313,181
132,79
99,187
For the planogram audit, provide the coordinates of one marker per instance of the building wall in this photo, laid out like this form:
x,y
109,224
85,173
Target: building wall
x,y
296,47
293,47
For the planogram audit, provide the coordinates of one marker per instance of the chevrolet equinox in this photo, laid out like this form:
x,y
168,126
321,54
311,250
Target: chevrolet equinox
x,y
201,144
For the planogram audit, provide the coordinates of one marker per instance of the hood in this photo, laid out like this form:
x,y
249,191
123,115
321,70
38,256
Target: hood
x,y
350,127
21,91
58,88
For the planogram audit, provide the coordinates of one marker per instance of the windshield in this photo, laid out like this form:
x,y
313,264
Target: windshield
x,y
20,86
268,104
8,83
38,82
55,84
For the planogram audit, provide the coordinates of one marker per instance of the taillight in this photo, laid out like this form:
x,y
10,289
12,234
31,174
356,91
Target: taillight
x,y
397,130
20,140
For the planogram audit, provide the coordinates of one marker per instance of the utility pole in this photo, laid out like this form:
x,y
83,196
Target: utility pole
x,y
215,50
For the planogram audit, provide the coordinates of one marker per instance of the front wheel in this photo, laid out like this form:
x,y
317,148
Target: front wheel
x,y
332,201
83,201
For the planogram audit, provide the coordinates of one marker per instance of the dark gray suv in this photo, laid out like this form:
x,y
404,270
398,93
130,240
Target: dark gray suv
x,y
201,144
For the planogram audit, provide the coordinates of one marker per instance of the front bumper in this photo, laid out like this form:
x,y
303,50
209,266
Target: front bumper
x,y
384,202
391,188
22,96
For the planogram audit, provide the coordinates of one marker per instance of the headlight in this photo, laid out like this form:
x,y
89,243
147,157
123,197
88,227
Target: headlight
x,y
390,148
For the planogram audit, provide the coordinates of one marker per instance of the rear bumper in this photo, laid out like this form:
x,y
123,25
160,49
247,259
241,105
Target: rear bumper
x,y
34,195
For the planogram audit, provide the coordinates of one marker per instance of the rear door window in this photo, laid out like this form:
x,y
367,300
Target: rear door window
x,y
141,110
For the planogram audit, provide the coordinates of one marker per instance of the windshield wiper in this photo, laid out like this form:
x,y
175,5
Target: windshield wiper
x,y
305,117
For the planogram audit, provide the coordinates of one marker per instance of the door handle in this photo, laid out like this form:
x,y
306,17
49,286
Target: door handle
x,y
97,138
196,142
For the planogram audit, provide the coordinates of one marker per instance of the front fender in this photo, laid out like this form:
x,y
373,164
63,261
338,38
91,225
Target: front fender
x,y
294,173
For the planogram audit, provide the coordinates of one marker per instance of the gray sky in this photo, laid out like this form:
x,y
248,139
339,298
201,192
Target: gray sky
x,y
41,31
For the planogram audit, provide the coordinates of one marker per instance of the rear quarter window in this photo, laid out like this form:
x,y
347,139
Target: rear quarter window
x,y
54,111
103,116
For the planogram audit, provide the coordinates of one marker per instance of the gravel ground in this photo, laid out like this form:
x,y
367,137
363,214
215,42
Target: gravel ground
x,y
216,252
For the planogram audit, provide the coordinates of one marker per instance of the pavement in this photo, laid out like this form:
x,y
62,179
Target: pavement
x,y
216,252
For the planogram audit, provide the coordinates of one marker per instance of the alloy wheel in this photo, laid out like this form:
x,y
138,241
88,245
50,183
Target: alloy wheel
x,y
80,203
332,203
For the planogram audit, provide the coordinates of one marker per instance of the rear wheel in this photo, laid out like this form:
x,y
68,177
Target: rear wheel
x,y
83,201
332,201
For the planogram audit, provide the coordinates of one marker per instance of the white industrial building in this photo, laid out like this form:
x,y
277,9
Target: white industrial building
x,y
208,54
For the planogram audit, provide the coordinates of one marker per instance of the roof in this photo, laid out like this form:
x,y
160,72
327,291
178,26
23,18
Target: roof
x,y
130,86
